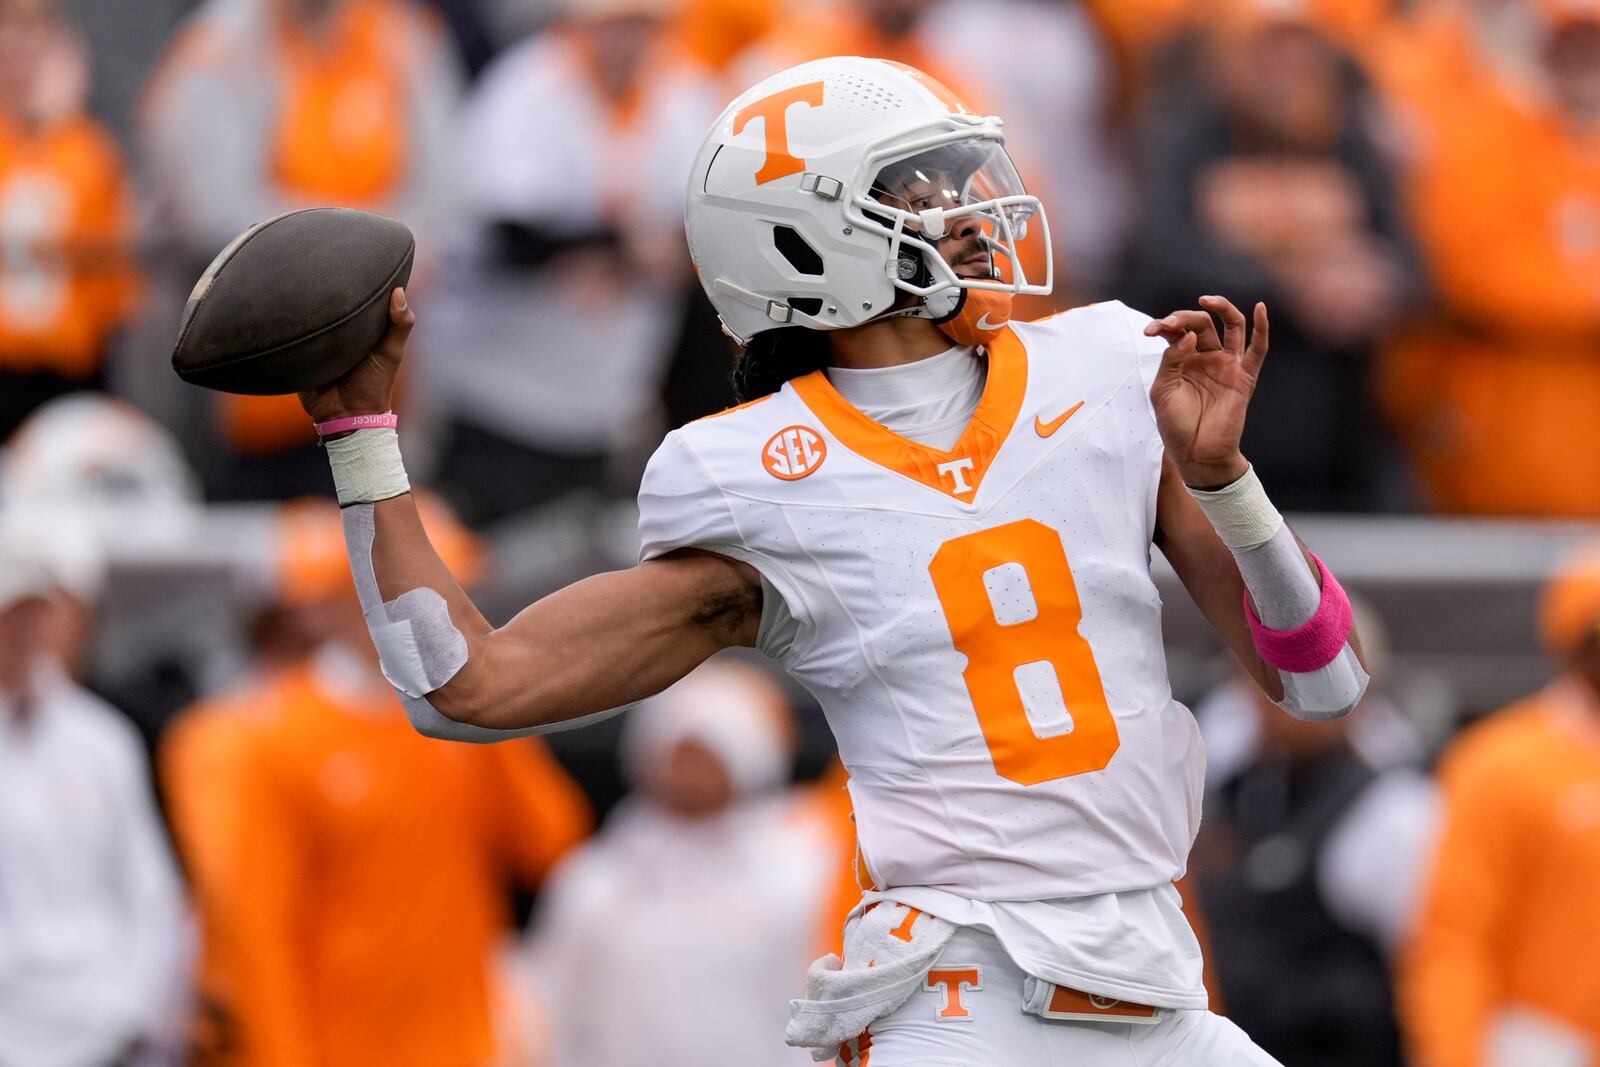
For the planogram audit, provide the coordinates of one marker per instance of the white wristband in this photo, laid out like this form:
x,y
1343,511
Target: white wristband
x,y
1243,516
367,467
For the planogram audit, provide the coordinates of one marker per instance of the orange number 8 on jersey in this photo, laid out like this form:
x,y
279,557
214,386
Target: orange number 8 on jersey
x,y
996,649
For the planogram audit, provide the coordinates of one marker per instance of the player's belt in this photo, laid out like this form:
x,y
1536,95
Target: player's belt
x,y
1065,1002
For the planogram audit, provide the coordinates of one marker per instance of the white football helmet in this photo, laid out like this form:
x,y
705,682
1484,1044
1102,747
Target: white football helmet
x,y
793,216
86,457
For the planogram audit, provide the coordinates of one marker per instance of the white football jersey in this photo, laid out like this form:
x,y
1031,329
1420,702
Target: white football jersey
x,y
980,625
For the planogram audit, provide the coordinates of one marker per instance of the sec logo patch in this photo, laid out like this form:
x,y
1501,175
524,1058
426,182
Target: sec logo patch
x,y
794,453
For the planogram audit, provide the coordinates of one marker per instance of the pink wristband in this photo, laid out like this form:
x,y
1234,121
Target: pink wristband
x,y
1313,644
386,421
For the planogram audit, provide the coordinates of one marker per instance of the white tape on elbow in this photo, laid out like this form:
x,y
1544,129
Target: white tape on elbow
x,y
419,647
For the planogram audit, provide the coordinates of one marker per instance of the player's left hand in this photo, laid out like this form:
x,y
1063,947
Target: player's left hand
x,y
1204,386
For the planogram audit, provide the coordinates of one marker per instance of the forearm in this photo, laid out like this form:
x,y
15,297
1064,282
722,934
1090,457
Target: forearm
x,y
581,653
1288,597
431,638
422,622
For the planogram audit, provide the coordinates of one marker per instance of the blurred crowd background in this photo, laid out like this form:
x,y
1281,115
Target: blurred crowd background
x,y
222,844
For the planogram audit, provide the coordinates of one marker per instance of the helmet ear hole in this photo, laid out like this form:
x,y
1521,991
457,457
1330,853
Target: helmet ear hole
x,y
807,305
799,254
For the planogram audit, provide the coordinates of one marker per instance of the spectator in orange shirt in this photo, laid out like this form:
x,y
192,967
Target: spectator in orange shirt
x,y
263,106
1139,32
1142,28
352,876
1500,970
1495,395
713,33
65,280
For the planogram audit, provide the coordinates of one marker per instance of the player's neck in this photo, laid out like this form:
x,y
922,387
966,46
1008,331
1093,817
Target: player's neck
x,y
886,343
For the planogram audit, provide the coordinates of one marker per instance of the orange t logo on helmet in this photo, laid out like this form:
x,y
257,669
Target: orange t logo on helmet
x,y
779,163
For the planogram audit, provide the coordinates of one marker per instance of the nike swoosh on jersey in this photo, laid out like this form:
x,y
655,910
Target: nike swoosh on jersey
x,y
1045,429
983,322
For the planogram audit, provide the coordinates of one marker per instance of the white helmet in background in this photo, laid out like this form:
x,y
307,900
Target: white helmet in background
x,y
104,463
789,216
732,709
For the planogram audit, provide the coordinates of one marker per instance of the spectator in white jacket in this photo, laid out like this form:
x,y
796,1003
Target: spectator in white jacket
x,y
546,346
90,906
703,897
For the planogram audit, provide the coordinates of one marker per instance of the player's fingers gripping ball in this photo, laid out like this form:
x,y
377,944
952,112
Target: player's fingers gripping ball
x,y
366,388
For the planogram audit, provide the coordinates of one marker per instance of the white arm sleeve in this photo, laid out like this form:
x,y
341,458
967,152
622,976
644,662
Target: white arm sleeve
x,y
1286,594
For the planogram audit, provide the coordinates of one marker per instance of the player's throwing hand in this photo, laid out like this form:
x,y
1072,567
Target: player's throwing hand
x,y
368,387
1203,387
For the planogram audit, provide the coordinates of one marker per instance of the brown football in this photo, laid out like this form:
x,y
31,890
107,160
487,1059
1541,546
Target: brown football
x,y
294,302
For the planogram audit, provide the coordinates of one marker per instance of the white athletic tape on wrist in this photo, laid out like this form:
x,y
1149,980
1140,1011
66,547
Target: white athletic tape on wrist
x,y
1243,516
367,467
419,647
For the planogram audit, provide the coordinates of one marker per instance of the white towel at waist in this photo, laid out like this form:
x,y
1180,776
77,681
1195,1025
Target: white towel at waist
x,y
888,950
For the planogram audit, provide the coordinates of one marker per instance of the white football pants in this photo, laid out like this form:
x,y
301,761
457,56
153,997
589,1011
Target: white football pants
x,y
988,1027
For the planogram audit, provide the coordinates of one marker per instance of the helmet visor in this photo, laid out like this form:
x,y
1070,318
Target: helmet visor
x,y
964,202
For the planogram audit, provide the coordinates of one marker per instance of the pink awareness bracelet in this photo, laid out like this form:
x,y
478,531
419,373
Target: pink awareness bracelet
x,y
388,420
1316,642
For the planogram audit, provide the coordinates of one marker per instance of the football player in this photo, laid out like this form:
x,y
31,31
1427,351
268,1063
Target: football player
x,y
939,521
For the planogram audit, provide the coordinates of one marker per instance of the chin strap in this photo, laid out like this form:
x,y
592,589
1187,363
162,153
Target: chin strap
x,y
977,318
966,316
